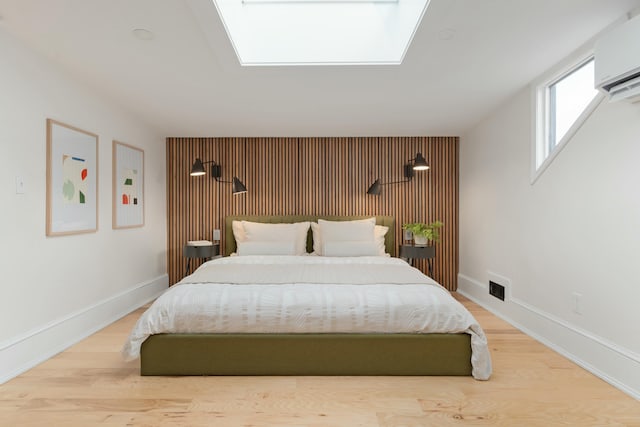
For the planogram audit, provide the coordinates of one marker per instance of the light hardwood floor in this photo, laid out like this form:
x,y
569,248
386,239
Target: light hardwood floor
x,y
89,384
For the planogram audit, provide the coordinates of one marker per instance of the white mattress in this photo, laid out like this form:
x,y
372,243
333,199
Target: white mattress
x,y
308,294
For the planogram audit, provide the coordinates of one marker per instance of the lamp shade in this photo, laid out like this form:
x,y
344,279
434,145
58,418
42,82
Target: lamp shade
x,y
376,188
198,168
237,186
420,163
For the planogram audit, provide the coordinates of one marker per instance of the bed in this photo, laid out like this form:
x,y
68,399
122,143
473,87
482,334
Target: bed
x,y
291,314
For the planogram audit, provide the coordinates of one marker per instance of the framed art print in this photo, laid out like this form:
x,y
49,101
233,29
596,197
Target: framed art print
x,y
72,180
128,186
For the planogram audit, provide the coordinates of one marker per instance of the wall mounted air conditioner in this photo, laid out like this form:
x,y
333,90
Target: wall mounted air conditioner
x,y
617,62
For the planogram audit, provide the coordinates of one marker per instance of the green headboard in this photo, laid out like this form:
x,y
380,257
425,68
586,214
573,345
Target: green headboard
x,y
230,241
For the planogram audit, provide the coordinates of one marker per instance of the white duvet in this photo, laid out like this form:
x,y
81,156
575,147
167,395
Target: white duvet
x,y
309,294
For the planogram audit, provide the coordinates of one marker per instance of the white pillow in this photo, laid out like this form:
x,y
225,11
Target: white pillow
x,y
342,231
315,235
238,231
264,232
266,248
347,231
379,231
359,248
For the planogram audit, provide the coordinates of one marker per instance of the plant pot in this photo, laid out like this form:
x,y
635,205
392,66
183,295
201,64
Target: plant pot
x,y
420,240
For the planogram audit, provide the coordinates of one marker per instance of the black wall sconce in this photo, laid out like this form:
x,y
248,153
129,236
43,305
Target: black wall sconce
x,y
198,169
418,163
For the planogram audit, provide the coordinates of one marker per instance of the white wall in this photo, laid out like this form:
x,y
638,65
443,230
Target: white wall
x,y
577,229
55,290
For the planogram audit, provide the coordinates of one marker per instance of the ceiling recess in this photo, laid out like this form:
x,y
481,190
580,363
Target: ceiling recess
x,y
320,32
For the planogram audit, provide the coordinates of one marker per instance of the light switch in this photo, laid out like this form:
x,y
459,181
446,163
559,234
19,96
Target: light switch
x,y
216,235
20,185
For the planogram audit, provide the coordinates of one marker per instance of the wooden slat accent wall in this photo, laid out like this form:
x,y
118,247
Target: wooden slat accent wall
x,y
324,176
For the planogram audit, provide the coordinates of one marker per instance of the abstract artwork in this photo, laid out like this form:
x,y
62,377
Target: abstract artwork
x,y
72,180
75,174
128,186
128,181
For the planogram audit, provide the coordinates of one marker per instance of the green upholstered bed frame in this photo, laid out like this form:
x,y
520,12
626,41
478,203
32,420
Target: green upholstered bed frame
x,y
306,354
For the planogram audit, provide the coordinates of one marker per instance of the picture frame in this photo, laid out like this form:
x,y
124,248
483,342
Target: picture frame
x,y
128,186
72,180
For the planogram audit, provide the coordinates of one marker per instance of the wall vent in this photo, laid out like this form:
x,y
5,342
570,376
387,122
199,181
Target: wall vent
x,y
496,290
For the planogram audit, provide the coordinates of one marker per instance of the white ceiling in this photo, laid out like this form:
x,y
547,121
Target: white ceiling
x,y
467,57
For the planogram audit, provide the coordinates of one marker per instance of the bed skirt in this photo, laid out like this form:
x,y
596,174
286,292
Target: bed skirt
x,y
306,354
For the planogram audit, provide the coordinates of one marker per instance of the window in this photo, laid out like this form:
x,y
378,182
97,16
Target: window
x,y
314,32
564,101
568,98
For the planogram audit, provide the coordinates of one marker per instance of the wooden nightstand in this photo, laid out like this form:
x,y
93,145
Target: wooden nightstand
x,y
190,252
411,252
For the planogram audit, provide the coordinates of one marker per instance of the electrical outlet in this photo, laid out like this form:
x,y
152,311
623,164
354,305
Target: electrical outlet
x,y
20,185
496,290
577,302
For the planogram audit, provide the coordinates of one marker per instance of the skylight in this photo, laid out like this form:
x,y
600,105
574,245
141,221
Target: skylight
x,y
312,32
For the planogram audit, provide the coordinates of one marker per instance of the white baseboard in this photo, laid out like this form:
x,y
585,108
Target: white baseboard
x,y
34,347
616,365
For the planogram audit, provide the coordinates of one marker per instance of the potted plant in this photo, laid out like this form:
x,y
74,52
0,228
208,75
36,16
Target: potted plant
x,y
424,233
